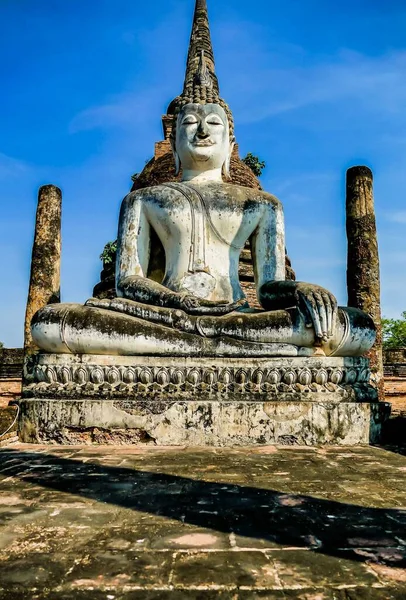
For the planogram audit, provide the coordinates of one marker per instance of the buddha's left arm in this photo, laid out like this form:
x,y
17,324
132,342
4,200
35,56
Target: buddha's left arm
x,y
268,246
317,304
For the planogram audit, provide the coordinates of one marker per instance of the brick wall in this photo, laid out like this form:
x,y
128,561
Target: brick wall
x,y
11,363
395,379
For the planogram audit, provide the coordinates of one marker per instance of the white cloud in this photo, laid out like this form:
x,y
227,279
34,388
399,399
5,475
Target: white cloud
x,y
12,167
269,78
127,110
397,217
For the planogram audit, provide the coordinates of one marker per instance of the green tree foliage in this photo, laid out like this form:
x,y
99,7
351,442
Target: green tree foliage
x,y
254,163
108,256
394,332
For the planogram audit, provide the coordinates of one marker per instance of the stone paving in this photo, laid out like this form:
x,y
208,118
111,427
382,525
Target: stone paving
x,y
123,523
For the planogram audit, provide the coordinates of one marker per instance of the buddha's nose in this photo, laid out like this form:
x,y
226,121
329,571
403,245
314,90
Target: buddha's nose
x,y
203,130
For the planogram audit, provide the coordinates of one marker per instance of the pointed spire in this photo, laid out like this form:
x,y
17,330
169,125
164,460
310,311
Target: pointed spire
x,y
201,83
200,40
202,76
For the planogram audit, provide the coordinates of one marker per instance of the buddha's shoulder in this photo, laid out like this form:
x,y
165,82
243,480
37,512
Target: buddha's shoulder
x,y
223,191
249,194
148,193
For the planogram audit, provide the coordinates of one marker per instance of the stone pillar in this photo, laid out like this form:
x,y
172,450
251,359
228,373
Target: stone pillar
x,y
46,258
363,276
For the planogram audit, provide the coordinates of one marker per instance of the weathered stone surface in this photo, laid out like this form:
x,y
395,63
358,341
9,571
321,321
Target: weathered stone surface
x,y
71,376
91,523
11,363
178,401
200,423
46,258
197,423
363,274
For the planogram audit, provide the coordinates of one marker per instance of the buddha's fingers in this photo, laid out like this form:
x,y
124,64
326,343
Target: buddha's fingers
x,y
312,307
335,314
329,312
321,308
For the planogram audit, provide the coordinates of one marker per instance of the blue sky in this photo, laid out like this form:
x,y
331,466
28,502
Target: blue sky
x,y
315,88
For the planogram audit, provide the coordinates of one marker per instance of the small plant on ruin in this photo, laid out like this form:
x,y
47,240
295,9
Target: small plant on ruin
x,y
394,332
254,163
108,256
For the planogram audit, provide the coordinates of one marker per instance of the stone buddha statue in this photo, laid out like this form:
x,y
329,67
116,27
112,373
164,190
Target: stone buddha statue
x,y
178,356
203,223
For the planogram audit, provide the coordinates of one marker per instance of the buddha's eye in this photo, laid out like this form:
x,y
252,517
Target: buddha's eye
x,y
189,121
214,120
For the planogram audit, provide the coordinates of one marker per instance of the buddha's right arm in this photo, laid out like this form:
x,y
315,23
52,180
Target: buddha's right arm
x,y
133,251
147,291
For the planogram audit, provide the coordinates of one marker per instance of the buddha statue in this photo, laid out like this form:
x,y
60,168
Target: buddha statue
x,y
203,222
199,308
178,356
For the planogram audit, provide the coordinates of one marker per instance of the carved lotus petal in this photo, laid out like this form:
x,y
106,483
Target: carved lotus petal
x,y
65,375
146,376
321,377
81,376
273,377
129,375
364,375
336,376
210,377
113,376
97,376
226,376
162,377
241,376
40,374
50,375
289,377
305,377
351,376
178,377
258,377
194,377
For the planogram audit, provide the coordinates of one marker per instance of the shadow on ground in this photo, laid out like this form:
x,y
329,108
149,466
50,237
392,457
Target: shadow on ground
x,y
324,526
394,435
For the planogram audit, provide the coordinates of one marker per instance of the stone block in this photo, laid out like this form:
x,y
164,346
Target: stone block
x,y
200,423
168,401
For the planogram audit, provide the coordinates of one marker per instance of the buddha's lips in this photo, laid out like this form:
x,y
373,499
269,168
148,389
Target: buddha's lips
x,y
203,144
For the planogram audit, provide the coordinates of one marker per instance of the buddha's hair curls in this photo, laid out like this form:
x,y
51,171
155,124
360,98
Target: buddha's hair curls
x,y
200,88
182,102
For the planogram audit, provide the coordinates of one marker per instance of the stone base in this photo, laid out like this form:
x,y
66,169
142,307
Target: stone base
x,y
75,376
71,399
200,423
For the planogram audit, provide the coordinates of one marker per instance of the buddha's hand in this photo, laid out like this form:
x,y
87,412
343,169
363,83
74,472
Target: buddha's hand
x,y
319,308
200,306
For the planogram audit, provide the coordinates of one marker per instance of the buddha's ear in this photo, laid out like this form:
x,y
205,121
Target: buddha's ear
x,y
175,156
226,167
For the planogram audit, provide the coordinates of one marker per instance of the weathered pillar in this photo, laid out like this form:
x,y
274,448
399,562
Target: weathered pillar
x,y
46,259
363,275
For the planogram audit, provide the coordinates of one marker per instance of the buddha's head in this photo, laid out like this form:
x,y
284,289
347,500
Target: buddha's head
x,y
203,139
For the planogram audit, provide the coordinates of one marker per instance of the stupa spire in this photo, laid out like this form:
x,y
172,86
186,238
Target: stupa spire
x,y
200,42
201,83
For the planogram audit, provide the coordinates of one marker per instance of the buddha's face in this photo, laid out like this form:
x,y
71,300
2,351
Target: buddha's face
x,y
202,137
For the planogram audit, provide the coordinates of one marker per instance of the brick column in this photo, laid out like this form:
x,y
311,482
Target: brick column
x,y
363,275
46,258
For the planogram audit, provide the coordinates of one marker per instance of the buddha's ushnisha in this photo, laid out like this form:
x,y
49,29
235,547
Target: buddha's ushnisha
x,y
203,223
